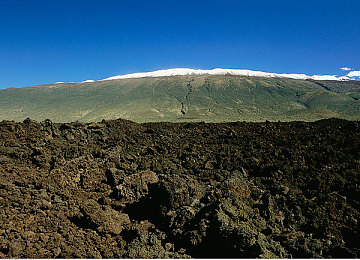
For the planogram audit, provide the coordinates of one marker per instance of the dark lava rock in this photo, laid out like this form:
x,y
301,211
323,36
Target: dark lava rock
x,y
118,189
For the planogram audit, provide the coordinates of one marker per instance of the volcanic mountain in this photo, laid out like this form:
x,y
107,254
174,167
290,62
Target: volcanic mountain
x,y
188,95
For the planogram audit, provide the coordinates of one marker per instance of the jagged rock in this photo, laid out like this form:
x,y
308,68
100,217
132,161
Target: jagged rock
x,y
135,186
114,176
104,221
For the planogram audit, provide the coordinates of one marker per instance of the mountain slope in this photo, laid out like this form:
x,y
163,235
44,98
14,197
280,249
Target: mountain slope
x,y
184,97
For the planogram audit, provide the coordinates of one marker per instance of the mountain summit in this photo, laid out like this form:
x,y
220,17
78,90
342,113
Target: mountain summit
x,y
218,71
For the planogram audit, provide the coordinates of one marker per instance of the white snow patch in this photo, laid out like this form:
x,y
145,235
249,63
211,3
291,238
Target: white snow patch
x,y
241,72
355,73
344,78
345,68
325,77
89,80
59,82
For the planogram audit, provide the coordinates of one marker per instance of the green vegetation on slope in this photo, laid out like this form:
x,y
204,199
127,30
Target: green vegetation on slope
x,y
178,98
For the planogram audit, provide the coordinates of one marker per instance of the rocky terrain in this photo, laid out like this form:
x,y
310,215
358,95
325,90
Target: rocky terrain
x,y
119,189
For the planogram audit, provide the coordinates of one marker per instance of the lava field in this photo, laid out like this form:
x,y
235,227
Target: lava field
x,y
119,189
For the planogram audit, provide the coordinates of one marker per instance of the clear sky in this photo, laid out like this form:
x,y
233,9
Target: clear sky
x,y
45,41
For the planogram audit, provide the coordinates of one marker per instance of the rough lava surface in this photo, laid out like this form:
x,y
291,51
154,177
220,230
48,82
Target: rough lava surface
x,y
118,189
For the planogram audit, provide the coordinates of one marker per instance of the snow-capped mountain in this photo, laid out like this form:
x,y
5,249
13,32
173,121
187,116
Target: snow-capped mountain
x,y
241,72
212,98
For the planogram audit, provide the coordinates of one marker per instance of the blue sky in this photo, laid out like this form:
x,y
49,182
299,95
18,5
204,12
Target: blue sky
x,y
43,41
